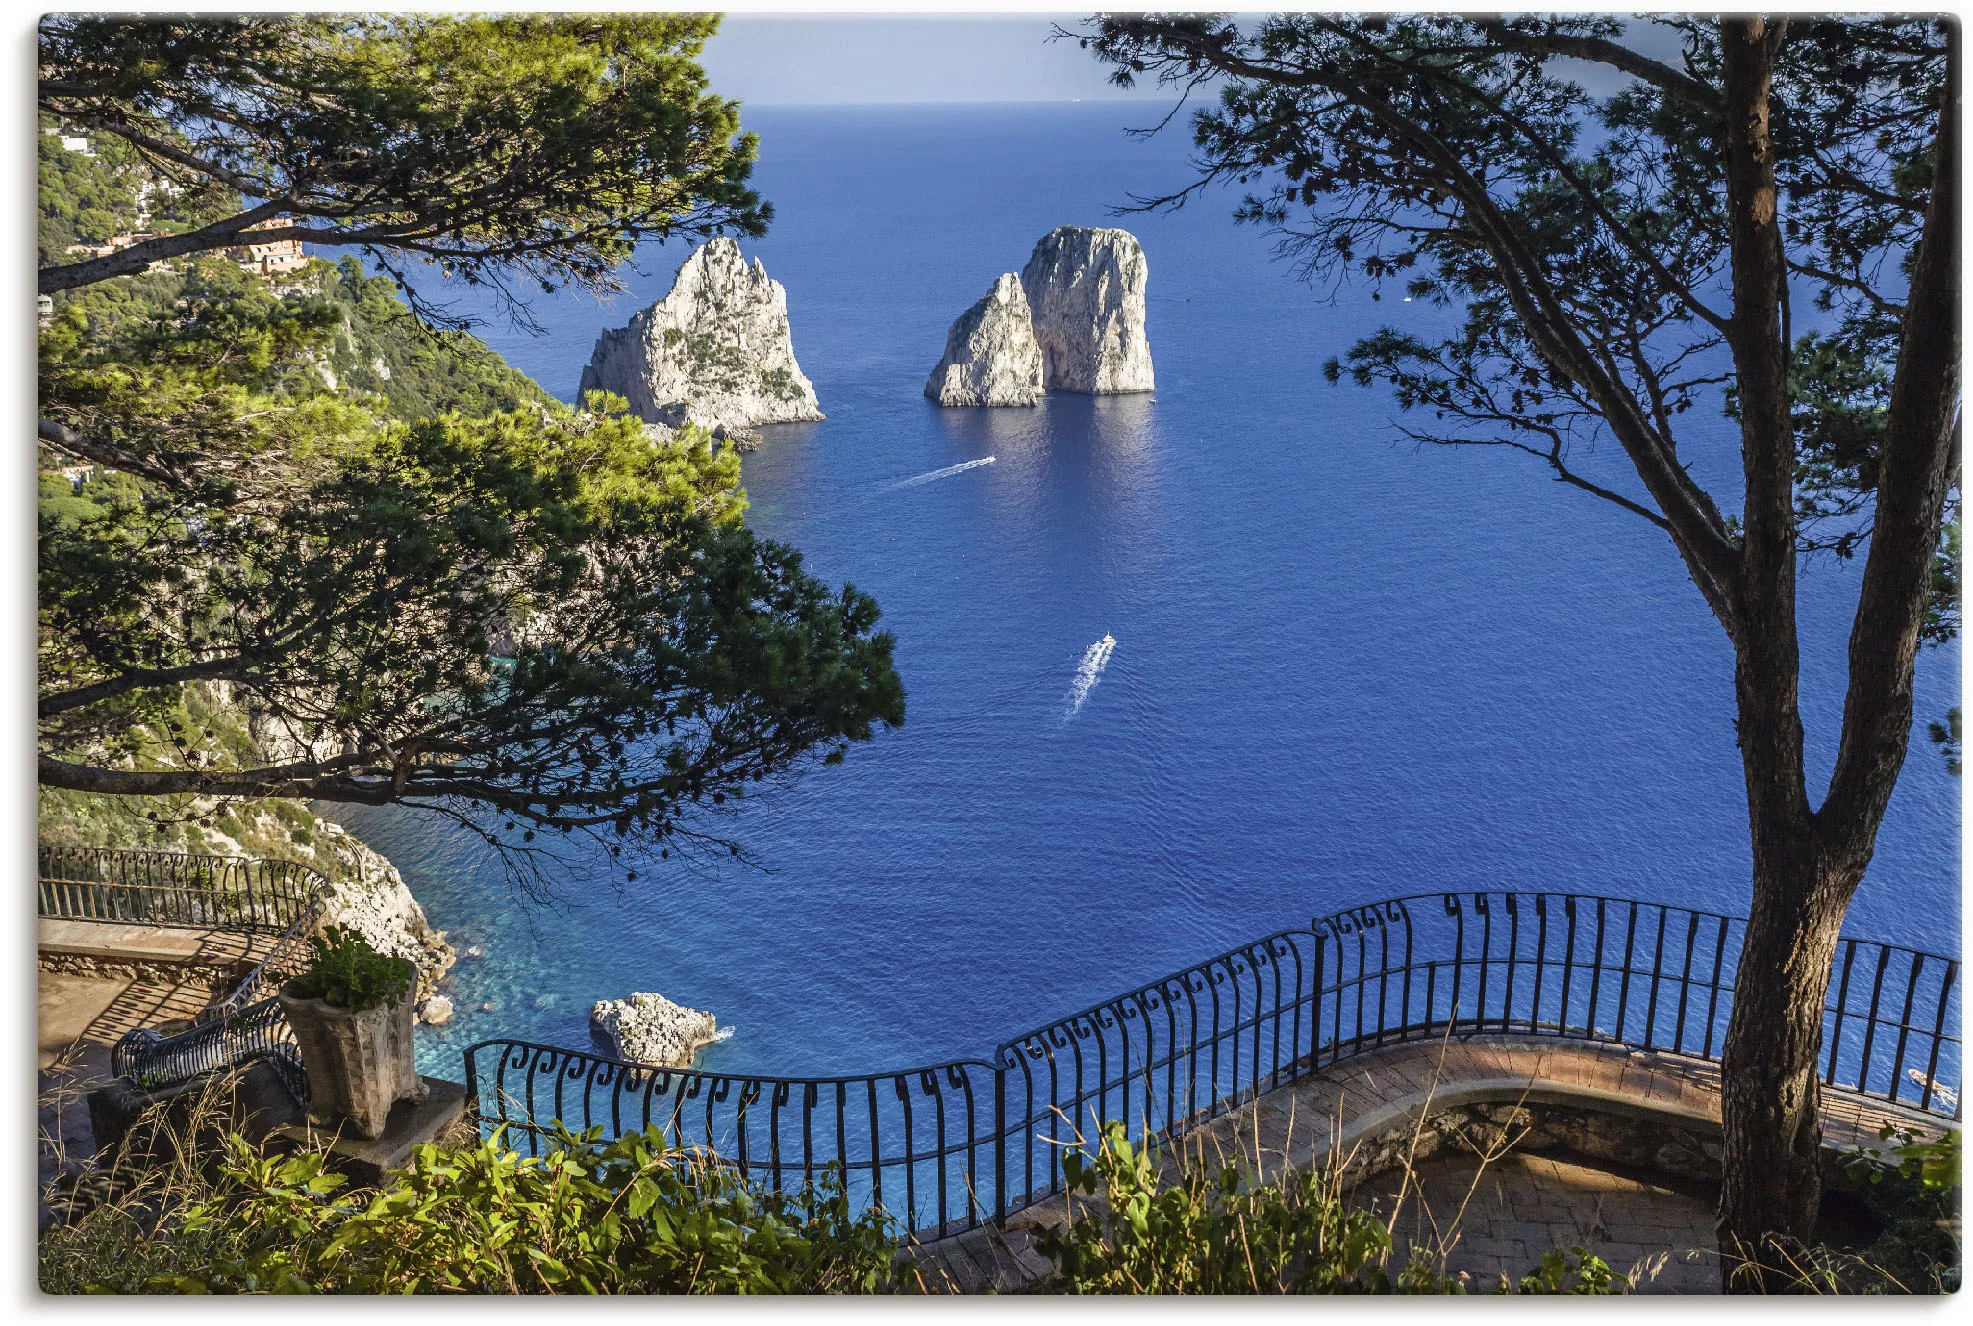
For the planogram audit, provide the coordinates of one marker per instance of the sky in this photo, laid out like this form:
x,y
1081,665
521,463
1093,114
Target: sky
x,y
763,59
809,60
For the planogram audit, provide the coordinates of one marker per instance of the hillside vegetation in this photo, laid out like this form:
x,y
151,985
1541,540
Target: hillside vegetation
x,y
373,359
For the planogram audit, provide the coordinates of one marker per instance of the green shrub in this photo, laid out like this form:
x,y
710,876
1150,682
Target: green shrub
x,y
631,1216
1216,1232
1920,1169
1576,1271
345,972
1912,1188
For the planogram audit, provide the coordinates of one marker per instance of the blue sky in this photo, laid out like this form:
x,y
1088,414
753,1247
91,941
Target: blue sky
x,y
809,60
867,59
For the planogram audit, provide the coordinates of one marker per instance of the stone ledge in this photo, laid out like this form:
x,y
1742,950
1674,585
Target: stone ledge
x,y
1656,1127
411,1123
1679,1140
145,944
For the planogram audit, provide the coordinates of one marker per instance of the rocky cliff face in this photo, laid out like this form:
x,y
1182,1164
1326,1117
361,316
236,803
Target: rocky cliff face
x,y
371,898
1086,289
991,355
715,351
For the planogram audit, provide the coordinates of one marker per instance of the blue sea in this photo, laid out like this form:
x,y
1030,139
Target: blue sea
x,y
1345,667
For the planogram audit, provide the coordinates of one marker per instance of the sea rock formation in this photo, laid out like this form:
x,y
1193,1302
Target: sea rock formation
x,y
715,351
1085,287
991,355
648,1028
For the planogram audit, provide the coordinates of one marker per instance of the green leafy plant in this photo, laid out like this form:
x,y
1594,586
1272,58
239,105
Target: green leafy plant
x,y
1157,1223
635,1215
1215,1231
1930,1166
1576,1271
345,972
1912,1187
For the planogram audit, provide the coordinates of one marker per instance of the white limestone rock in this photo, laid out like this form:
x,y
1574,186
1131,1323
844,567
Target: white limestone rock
x,y
668,420
375,902
991,355
715,351
1085,287
436,1011
648,1028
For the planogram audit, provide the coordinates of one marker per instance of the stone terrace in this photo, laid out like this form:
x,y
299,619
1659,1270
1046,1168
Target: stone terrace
x,y
1442,1099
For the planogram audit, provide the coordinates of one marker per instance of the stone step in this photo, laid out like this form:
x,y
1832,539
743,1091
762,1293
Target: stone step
x,y
411,1123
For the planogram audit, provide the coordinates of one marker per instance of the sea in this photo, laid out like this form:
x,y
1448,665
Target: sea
x,y
1183,668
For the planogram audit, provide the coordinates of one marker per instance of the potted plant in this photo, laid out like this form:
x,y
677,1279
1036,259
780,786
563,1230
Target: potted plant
x,y
351,1014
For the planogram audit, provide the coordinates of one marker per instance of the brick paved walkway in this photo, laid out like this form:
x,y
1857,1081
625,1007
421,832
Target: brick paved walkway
x,y
1372,1097
1500,1218
78,1019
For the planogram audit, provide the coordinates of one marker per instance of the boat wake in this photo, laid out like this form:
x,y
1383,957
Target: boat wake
x,y
961,468
1089,672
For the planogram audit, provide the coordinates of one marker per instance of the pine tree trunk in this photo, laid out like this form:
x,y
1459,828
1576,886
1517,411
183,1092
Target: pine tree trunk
x,y
1807,864
1772,1182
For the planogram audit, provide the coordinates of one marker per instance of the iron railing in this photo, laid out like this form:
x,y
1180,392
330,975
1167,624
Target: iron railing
x,y
235,894
947,1146
174,889
231,1038
284,958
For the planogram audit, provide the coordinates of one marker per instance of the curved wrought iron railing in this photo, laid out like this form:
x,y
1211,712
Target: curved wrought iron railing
x,y
232,1038
236,894
947,1146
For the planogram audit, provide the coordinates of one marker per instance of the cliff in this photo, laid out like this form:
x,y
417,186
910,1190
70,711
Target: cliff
x,y
1085,288
371,898
367,893
715,351
991,355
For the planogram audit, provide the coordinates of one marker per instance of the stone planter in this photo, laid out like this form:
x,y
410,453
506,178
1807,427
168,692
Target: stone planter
x,y
359,1064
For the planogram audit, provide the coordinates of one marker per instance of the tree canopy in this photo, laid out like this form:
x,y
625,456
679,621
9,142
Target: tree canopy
x,y
421,579
1769,219
1586,239
529,149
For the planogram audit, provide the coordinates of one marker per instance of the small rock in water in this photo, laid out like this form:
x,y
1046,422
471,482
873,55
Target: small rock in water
x,y
437,1011
544,1001
475,952
648,1028
490,1006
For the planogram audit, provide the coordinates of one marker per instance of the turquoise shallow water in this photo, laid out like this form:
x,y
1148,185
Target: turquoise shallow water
x,y
1344,668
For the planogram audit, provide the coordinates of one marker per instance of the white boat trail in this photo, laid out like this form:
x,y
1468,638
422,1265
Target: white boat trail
x,y
1089,672
940,474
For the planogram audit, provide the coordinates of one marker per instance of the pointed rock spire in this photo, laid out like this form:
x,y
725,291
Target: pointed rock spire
x,y
716,350
991,357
